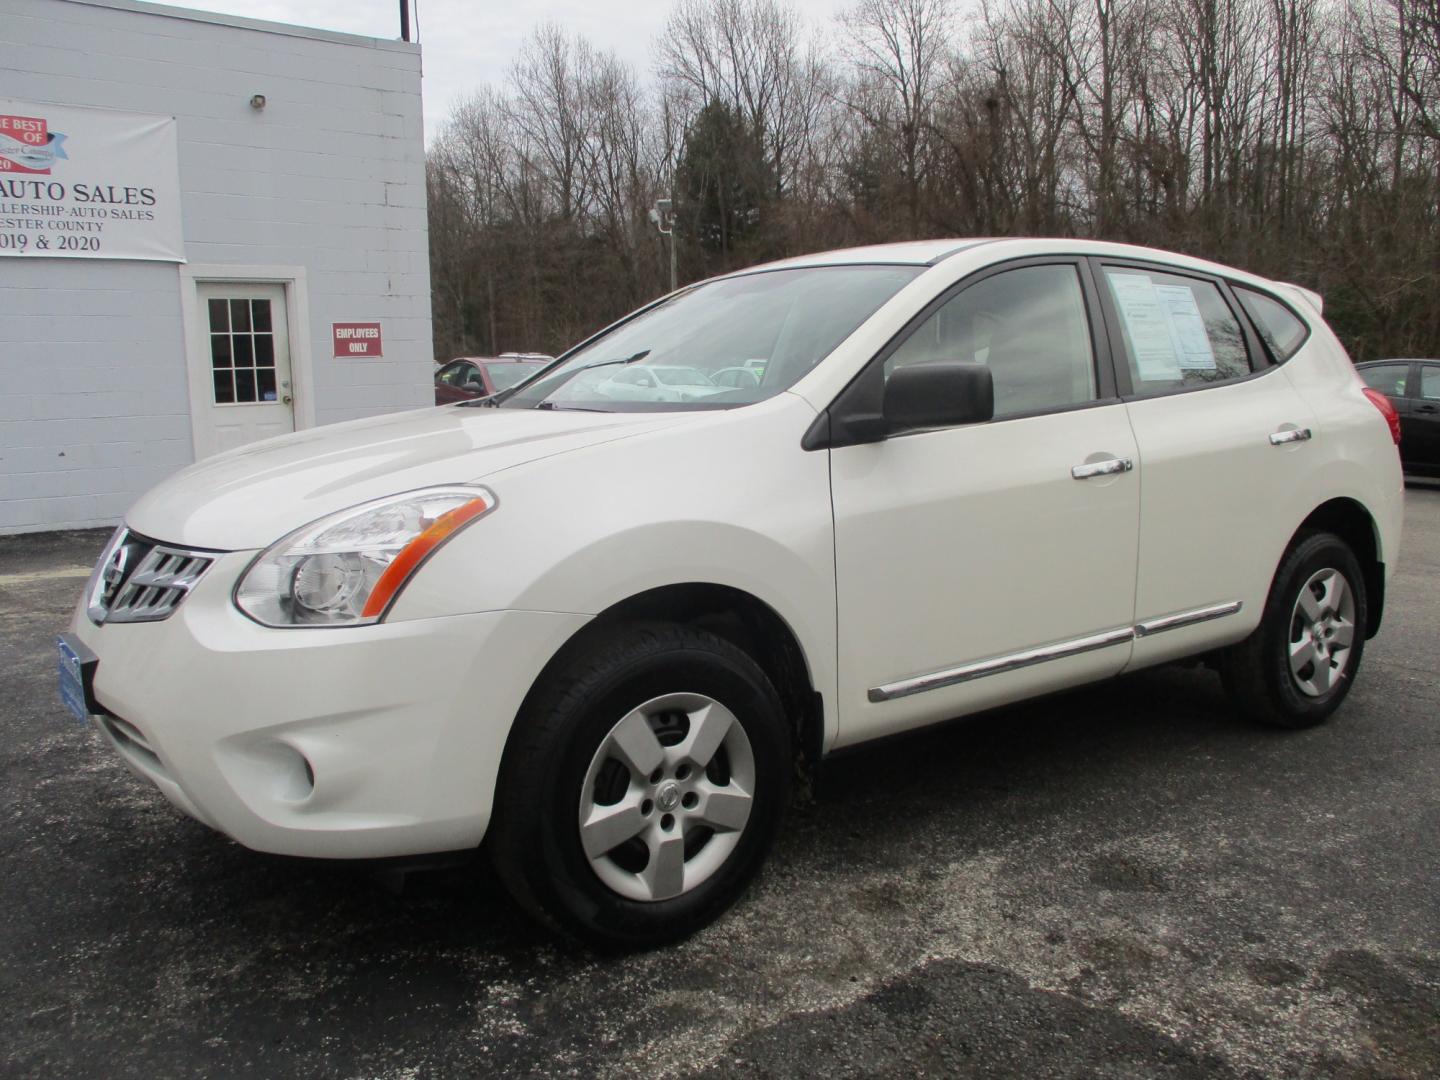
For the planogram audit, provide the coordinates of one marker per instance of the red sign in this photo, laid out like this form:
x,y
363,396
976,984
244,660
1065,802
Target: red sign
x,y
25,144
357,338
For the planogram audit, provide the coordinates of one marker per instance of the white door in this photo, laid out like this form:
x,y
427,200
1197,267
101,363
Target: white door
x,y
246,366
973,565
1225,443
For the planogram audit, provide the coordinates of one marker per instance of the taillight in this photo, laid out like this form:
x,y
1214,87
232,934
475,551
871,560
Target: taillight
x,y
1387,410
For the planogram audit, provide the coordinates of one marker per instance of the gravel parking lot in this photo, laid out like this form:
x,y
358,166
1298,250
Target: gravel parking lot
x,y
1124,881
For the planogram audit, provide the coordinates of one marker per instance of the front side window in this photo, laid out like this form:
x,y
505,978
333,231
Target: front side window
x,y
1028,325
1178,331
788,319
1389,379
452,374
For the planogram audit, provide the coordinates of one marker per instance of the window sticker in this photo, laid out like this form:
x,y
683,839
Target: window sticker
x,y
1187,327
1148,325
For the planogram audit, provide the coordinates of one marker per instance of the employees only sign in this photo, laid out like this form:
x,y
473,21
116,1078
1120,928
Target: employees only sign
x,y
356,338
80,183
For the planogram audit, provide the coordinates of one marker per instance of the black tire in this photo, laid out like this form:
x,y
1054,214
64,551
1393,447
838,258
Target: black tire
x,y
1257,672
534,838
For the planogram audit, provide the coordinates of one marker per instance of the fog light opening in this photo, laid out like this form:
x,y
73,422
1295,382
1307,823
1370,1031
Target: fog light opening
x,y
294,776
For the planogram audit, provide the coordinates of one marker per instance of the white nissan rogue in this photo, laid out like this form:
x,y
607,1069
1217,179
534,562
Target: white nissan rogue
x,y
600,631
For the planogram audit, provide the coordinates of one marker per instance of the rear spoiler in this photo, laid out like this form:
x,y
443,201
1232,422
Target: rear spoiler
x,y
1304,295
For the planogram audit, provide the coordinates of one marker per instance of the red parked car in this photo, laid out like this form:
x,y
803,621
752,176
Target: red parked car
x,y
468,377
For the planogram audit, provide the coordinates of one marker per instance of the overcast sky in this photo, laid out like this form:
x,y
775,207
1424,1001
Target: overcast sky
x,y
467,43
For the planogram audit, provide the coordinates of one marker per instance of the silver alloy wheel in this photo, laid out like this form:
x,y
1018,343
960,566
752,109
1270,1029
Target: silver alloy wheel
x,y
1322,631
676,813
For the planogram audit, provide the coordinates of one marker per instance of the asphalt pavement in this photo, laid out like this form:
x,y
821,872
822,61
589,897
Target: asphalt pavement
x,y
1125,881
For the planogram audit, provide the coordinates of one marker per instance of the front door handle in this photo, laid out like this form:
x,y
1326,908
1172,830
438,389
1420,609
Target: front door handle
x,y
1108,467
1289,435
1427,408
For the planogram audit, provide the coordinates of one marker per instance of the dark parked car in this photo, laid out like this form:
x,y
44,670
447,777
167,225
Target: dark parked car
x,y
468,377
1413,387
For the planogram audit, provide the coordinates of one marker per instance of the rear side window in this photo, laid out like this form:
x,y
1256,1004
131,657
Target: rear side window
x,y
1389,379
1280,328
1179,331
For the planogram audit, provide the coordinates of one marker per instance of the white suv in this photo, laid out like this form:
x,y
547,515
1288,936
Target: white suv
x,y
600,633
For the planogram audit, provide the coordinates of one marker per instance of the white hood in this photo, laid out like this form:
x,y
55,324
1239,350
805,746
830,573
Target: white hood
x,y
250,497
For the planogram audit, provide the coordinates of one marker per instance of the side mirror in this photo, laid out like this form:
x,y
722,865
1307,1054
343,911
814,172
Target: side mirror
x,y
945,393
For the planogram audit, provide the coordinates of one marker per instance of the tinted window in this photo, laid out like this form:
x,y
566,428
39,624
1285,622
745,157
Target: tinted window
x,y
1430,383
1178,331
1278,326
1027,325
1389,379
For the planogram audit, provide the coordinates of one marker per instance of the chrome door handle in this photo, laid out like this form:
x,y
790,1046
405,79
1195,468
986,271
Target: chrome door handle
x,y
1108,467
1280,438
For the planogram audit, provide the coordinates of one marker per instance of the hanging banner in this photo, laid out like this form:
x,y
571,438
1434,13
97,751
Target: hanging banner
x,y
80,183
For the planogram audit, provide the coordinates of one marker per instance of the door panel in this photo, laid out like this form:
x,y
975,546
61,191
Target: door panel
x,y
1218,505
1222,451
973,543
1420,425
246,363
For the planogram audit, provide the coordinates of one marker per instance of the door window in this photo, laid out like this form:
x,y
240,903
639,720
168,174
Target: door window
x,y
1389,379
242,350
1179,331
1430,383
1028,325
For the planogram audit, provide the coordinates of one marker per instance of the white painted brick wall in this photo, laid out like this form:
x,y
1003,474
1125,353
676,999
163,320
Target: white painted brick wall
x,y
94,403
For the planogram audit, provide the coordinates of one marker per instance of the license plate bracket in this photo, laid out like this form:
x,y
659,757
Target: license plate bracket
x,y
77,677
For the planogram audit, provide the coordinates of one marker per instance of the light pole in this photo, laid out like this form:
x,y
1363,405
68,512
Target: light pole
x,y
663,215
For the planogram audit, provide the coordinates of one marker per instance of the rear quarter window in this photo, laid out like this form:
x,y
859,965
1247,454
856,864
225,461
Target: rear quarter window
x,y
1280,328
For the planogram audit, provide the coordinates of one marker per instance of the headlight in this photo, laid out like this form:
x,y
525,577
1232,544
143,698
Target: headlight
x,y
346,569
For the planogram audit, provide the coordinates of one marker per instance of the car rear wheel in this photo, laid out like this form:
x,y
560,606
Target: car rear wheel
x,y
642,787
1298,665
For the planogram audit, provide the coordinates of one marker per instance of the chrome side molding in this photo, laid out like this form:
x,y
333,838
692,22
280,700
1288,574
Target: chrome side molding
x,y
999,665
1186,618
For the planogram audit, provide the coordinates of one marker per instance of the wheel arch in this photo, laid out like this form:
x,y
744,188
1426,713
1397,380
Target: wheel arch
x,y
1353,523
739,617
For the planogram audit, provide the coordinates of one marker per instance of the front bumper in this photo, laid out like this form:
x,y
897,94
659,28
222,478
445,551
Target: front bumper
x,y
355,742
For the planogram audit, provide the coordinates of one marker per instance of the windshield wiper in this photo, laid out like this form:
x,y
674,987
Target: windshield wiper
x,y
611,363
546,403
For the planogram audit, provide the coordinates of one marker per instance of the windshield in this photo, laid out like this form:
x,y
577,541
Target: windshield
x,y
682,376
777,324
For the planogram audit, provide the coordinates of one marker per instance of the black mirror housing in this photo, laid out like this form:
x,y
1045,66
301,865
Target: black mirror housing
x,y
944,393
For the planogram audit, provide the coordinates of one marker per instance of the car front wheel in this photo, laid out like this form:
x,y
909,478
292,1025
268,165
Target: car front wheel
x,y
642,787
1298,665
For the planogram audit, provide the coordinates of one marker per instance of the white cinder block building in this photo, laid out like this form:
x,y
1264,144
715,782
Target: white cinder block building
x,y
212,230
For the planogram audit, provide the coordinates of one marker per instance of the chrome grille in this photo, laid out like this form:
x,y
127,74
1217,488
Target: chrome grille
x,y
140,580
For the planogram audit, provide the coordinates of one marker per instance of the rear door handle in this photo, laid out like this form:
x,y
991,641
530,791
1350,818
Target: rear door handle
x,y
1289,435
1109,467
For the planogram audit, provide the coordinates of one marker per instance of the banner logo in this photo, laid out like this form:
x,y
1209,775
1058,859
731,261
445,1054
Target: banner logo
x,y
27,145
